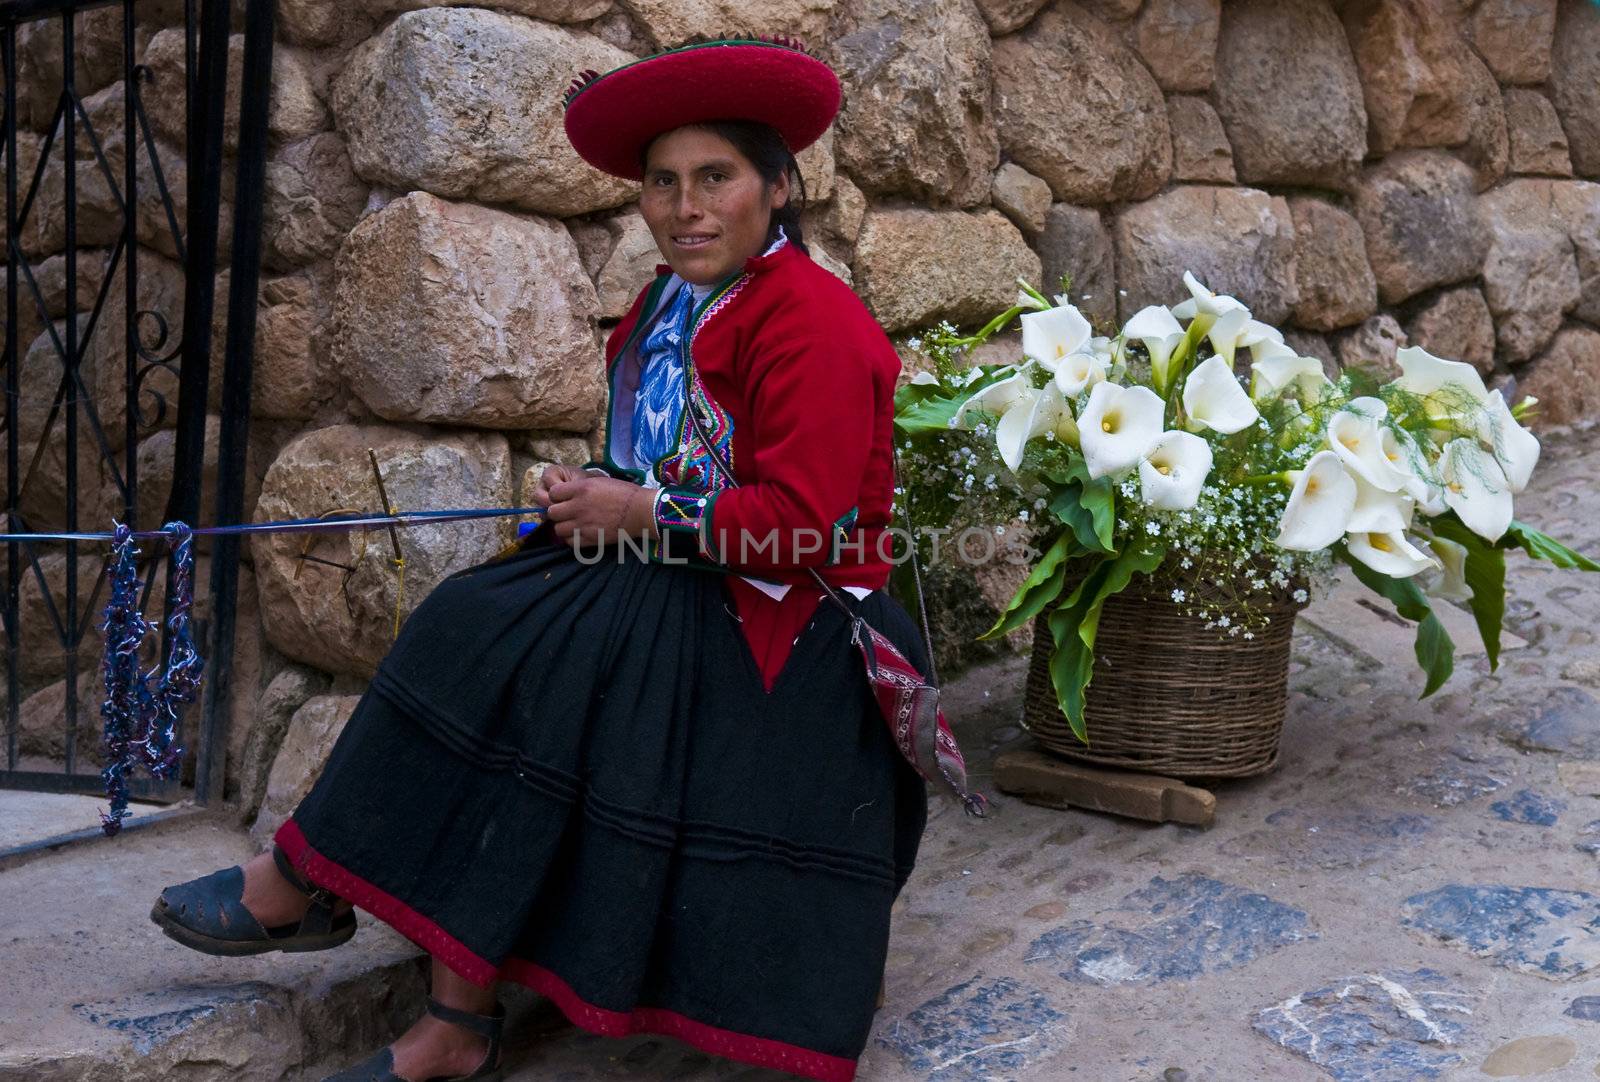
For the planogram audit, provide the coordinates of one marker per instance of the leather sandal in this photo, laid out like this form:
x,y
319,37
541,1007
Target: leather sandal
x,y
379,1067
208,915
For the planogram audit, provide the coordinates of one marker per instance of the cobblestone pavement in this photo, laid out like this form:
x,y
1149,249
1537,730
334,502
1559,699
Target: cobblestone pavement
x,y
1411,894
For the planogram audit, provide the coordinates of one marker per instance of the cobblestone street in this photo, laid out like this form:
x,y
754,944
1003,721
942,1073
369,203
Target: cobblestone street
x,y
1410,895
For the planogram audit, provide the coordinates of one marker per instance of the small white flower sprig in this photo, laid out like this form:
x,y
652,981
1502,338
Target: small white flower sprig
x,y
1147,453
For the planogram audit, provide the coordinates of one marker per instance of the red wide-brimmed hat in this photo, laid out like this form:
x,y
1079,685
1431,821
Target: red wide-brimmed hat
x,y
611,118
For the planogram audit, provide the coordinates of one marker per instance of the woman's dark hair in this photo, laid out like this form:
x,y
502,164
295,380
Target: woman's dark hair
x,y
765,149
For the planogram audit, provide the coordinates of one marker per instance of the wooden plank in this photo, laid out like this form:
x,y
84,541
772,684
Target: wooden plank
x,y
1040,778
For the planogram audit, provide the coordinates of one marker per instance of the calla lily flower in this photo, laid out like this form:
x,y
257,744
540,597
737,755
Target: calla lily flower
x,y
1452,557
1226,332
1174,470
1278,370
1203,301
1320,505
1028,300
1389,554
1052,334
1357,437
1078,371
1161,334
1377,511
1515,448
1117,426
1446,386
922,379
1475,488
1213,398
1039,411
999,396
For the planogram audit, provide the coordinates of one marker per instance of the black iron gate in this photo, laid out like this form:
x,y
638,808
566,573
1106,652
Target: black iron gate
x,y
94,354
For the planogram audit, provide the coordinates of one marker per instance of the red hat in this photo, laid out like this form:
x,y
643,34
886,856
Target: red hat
x,y
611,118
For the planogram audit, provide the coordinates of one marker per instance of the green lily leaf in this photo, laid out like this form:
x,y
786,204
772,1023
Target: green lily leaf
x,y
1088,506
1486,576
928,415
1043,585
1544,547
1435,650
1076,623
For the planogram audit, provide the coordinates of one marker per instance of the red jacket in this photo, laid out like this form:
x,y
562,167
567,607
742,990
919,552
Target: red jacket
x,y
795,381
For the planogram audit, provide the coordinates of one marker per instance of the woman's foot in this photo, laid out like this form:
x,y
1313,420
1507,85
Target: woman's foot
x,y
445,1043
434,1048
272,899
267,905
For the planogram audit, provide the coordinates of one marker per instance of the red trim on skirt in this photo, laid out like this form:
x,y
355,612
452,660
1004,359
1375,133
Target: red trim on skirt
x,y
756,1051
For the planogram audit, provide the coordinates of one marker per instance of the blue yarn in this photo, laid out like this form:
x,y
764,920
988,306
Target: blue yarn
x,y
141,722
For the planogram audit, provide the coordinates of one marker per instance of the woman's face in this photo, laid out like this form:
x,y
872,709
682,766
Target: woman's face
x,y
706,205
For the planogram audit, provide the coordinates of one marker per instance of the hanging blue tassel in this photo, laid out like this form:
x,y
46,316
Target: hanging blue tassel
x,y
141,723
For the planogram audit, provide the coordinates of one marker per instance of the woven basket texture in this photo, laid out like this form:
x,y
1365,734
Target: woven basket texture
x,y
1169,696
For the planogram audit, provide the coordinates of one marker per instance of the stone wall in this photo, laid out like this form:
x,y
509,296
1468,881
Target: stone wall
x,y
441,268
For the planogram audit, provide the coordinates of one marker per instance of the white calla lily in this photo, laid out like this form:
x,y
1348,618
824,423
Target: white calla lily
x,y
1079,371
1356,434
1160,333
1052,334
1226,332
1204,301
1448,388
1213,398
1475,488
1320,505
923,379
1117,426
999,396
1039,411
1377,511
1174,470
1028,300
1514,447
1389,554
1452,557
1280,370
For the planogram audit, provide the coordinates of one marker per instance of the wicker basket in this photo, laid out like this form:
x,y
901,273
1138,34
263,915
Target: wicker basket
x,y
1169,696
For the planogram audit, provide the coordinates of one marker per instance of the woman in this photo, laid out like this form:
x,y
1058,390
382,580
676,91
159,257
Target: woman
x,y
658,791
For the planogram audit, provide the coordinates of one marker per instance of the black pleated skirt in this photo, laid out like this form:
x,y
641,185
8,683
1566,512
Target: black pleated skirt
x,y
568,773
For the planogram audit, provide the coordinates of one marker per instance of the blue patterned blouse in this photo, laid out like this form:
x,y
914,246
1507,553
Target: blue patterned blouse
x,y
658,403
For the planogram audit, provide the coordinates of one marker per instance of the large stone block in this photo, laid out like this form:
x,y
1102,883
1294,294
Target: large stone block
x,y
461,314
630,266
1200,149
1575,81
1419,213
312,732
347,628
1456,324
916,117
294,110
1177,40
1488,146
39,637
1565,379
270,714
1021,196
466,104
1335,282
1414,76
1514,37
1372,346
1538,145
1075,107
1289,94
1008,16
668,22
913,267
313,199
1076,243
550,11
1530,276
1238,241
42,720
1576,205
292,375
96,61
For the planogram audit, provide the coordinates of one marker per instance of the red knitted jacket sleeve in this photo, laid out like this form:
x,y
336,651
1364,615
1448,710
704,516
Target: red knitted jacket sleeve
x,y
812,410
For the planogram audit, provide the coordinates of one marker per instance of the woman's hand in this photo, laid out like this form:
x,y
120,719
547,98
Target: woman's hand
x,y
552,476
586,509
